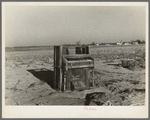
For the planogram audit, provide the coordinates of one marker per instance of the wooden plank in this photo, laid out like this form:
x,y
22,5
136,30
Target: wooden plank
x,y
57,66
78,79
79,85
87,77
57,77
83,50
65,50
87,49
68,78
83,66
93,77
63,82
78,50
60,67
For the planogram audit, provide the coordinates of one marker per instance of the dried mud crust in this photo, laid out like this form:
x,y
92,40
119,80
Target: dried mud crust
x,y
125,88
23,88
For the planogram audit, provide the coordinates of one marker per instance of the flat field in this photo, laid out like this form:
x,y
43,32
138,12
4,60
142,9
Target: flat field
x,y
118,69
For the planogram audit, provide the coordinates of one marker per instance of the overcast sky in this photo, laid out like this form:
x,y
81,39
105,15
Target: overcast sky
x,y
56,25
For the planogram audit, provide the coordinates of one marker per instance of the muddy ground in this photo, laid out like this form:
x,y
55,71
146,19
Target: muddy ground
x,y
29,76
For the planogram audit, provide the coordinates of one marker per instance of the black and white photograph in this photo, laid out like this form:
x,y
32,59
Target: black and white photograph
x,y
73,58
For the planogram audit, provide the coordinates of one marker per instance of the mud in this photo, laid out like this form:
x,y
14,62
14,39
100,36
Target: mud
x,y
29,76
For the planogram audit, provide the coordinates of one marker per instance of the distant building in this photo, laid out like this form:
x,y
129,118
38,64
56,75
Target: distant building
x,y
127,43
135,43
107,44
102,44
120,43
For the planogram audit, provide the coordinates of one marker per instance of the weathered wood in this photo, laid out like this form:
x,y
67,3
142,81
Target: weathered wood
x,y
93,77
54,82
65,50
87,77
68,78
78,78
60,67
63,81
82,50
57,66
87,49
77,74
78,50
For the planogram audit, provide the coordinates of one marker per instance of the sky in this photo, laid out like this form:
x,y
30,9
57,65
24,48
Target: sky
x,y
57,25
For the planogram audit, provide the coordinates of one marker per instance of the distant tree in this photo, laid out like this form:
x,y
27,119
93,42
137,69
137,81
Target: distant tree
x,y
143,42
78,43
102,43
132,41
93,43
139,41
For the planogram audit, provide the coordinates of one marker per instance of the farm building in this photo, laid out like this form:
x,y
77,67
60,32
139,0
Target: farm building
x,y
107,44
135,43
127,43
120,43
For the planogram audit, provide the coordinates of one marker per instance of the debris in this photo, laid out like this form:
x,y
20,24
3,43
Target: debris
x,y
108,103
128,63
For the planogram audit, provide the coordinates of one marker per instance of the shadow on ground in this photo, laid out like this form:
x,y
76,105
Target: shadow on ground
x,y
44,75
